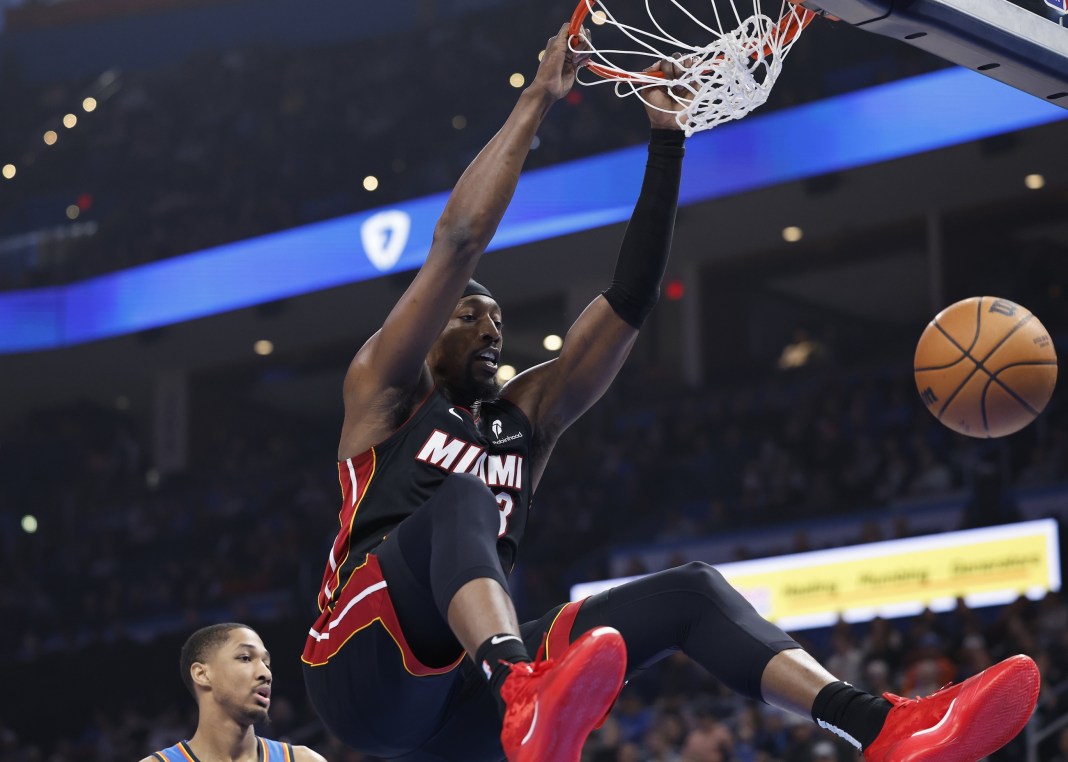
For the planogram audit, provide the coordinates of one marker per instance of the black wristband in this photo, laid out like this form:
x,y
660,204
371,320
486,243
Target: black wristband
x,y
670,143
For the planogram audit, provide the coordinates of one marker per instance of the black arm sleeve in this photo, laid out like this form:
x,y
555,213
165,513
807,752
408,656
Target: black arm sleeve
x,y
643,256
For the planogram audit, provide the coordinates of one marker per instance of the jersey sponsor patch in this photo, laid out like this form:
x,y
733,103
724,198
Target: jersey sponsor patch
x,y
498,430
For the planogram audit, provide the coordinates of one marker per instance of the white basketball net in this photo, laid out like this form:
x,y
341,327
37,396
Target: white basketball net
x,y
720,81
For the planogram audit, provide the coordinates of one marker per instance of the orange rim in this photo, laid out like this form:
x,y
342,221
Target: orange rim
x,y
789,32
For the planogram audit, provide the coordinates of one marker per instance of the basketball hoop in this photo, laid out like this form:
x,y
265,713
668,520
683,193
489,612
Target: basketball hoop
x,y
723,79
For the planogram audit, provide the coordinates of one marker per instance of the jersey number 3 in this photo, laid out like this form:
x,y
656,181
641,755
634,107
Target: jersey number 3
x,y
505,503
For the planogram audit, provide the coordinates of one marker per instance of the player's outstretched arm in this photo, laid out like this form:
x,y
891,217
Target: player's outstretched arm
x,y
390,368
555,393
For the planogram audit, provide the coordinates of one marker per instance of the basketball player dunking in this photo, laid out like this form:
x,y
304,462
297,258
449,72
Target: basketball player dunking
x,y
417,654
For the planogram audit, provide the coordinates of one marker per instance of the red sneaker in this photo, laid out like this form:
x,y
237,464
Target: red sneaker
x,y
960,723
552,706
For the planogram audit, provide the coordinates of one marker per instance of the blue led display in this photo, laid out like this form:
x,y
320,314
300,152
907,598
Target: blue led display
x,y
878,124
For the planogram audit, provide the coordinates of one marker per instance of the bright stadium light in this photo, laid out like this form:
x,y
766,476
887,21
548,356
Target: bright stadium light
x,y
9,171
505,373
1035,182
263,347
792,234
50,138
370,183
552,342
517,80
69,121
89,104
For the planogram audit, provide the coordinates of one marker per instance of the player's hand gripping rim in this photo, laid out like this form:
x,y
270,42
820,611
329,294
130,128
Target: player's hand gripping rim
x,y
560,64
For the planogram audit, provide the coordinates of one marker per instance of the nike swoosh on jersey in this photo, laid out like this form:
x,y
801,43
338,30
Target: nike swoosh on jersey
x,y
453,411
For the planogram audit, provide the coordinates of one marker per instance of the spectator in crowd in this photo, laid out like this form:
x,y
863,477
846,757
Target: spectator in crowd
x,y
1062,747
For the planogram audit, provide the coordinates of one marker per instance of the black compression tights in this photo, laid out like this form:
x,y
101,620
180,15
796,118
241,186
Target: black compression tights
x,y
449,541
452,539
692,609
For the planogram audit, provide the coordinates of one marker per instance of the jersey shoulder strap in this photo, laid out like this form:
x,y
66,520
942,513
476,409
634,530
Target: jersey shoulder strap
x,y
275,751
177,753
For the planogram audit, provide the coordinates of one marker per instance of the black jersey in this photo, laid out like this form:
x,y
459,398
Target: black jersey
x,y
384,485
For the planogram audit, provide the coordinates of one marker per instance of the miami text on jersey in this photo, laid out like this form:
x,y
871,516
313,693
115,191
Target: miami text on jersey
x,y
460,457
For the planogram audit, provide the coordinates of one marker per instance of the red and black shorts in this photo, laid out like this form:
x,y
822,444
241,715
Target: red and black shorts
x,y
375,695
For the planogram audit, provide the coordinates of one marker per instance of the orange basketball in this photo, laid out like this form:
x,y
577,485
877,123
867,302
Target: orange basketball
x,y
985,367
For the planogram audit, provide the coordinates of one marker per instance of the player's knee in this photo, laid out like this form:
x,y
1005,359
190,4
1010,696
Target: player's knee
x,y
465,485
699,577
465,497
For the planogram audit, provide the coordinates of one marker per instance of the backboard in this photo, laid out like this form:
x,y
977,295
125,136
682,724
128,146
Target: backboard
x,y
995,37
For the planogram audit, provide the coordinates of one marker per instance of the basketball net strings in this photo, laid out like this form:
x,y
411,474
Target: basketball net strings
x,y
721,81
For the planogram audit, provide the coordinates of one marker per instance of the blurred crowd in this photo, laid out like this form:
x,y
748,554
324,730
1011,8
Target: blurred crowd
x,y
116,550
678,465
258,499
239,142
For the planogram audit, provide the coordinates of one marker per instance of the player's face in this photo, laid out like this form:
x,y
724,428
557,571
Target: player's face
x,y
240,675
464,358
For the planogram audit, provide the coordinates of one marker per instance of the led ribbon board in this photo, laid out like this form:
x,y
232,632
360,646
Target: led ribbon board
x,y
986,567
878,124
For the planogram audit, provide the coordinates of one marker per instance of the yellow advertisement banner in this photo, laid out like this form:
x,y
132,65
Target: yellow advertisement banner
x,y
897,578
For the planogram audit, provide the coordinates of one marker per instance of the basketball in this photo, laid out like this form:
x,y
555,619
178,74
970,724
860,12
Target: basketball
x,y
985,367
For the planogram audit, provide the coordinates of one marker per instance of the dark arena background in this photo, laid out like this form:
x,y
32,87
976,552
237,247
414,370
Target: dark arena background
x,y
170,398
